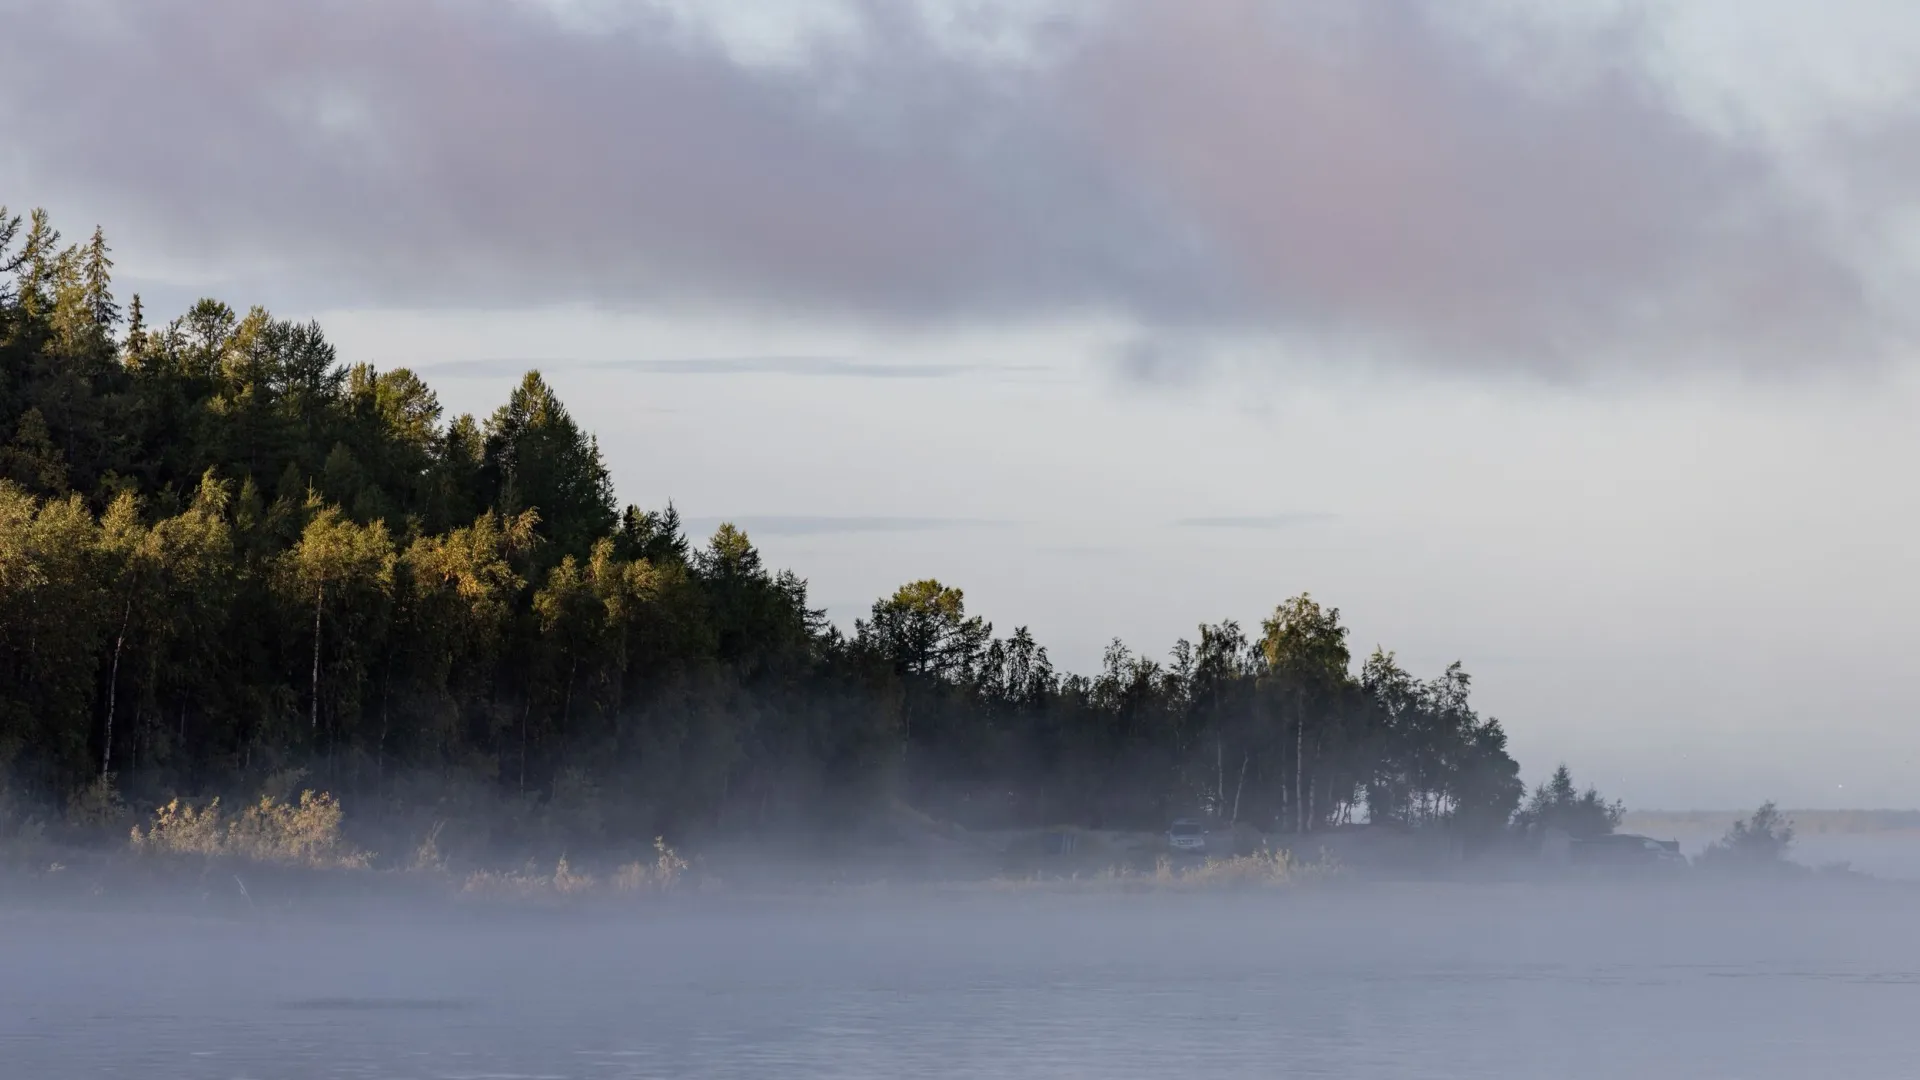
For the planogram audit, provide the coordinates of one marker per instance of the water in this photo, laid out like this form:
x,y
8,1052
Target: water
x,y
1482,982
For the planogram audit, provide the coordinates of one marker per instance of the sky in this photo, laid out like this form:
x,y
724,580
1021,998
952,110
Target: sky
x,y
1573,342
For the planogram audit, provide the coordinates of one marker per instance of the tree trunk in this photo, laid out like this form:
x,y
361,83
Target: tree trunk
x,y
525,713
1313,779
1240,787
1312,818
380,751
113,685
1220,773
1299,768
319,599
566,706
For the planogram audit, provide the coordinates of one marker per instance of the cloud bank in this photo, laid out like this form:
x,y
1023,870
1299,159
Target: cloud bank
x,y
1459,185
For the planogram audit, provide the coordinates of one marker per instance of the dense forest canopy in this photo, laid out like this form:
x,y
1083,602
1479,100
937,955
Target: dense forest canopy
x,y
224,553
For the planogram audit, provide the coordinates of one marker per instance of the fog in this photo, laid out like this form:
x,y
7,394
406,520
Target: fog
x,y
1484,981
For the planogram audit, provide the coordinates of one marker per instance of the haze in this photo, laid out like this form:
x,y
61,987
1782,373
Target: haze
x,y
1462,982
1577,347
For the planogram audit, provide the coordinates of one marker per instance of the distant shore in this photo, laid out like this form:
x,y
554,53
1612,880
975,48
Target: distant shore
x,y
115,883
1817,822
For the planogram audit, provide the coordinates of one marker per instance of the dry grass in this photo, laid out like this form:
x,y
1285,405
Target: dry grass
x,y
1241,871
529,884
524,884
1268,869
304,834
662,875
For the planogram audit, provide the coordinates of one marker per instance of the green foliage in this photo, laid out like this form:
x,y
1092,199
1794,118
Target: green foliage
x,y
923,630
1582,815
224,554
536,456
1758,841
97,805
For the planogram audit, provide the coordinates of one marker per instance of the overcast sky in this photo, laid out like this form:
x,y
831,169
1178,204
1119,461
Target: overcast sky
x,y
1571,341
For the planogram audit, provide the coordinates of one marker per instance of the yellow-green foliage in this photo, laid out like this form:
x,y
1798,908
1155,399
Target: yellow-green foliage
x,y
1271,868
659,876
567,882
182,829
427,857
97,805
523,884
1260,870
530,884
306,833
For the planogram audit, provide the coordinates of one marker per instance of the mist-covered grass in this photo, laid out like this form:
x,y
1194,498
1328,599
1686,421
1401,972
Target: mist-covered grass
x,y
284,849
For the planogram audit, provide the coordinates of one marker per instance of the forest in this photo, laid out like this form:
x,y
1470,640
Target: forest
x,y
226,554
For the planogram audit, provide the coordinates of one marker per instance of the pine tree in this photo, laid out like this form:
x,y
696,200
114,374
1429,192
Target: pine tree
x,y
136,340
537,458
99,282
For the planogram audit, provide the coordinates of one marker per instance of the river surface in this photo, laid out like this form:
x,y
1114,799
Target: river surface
x,y
1482,982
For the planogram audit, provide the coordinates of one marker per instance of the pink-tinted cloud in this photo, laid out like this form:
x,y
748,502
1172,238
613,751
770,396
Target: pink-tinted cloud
x,y
1356,175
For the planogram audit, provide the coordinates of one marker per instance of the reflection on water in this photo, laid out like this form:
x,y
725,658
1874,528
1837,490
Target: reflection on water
x,y
1517,981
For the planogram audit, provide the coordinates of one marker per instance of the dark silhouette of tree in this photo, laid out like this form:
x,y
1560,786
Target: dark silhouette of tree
x,y
536,456
1757,842
1557,804
224,553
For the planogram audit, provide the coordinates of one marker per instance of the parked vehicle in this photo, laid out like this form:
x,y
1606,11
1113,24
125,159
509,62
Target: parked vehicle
x,y
1187,836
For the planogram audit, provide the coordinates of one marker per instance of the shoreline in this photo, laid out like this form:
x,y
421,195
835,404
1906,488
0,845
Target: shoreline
x,y
231,889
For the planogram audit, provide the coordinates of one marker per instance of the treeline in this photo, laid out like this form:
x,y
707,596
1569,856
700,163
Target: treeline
x,y
224,553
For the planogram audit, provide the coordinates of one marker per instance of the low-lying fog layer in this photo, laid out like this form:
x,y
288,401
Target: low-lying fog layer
x,y
1480,982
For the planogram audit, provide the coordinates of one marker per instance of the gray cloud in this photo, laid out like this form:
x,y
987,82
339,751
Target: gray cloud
x,y
806,366
823,525
1368,179
1253,521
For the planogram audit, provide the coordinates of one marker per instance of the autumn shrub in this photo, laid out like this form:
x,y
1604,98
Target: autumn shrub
x,y
569,882
180,828
302,833
1240,871
661,875
306,833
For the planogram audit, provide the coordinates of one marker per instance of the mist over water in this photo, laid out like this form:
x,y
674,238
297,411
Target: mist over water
x,y
1479,981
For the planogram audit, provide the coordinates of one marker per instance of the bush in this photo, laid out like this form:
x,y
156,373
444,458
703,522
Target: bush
x,y
1557,804
659,876
1761,840
179,828
1271,868
306,833
21,831
97,805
